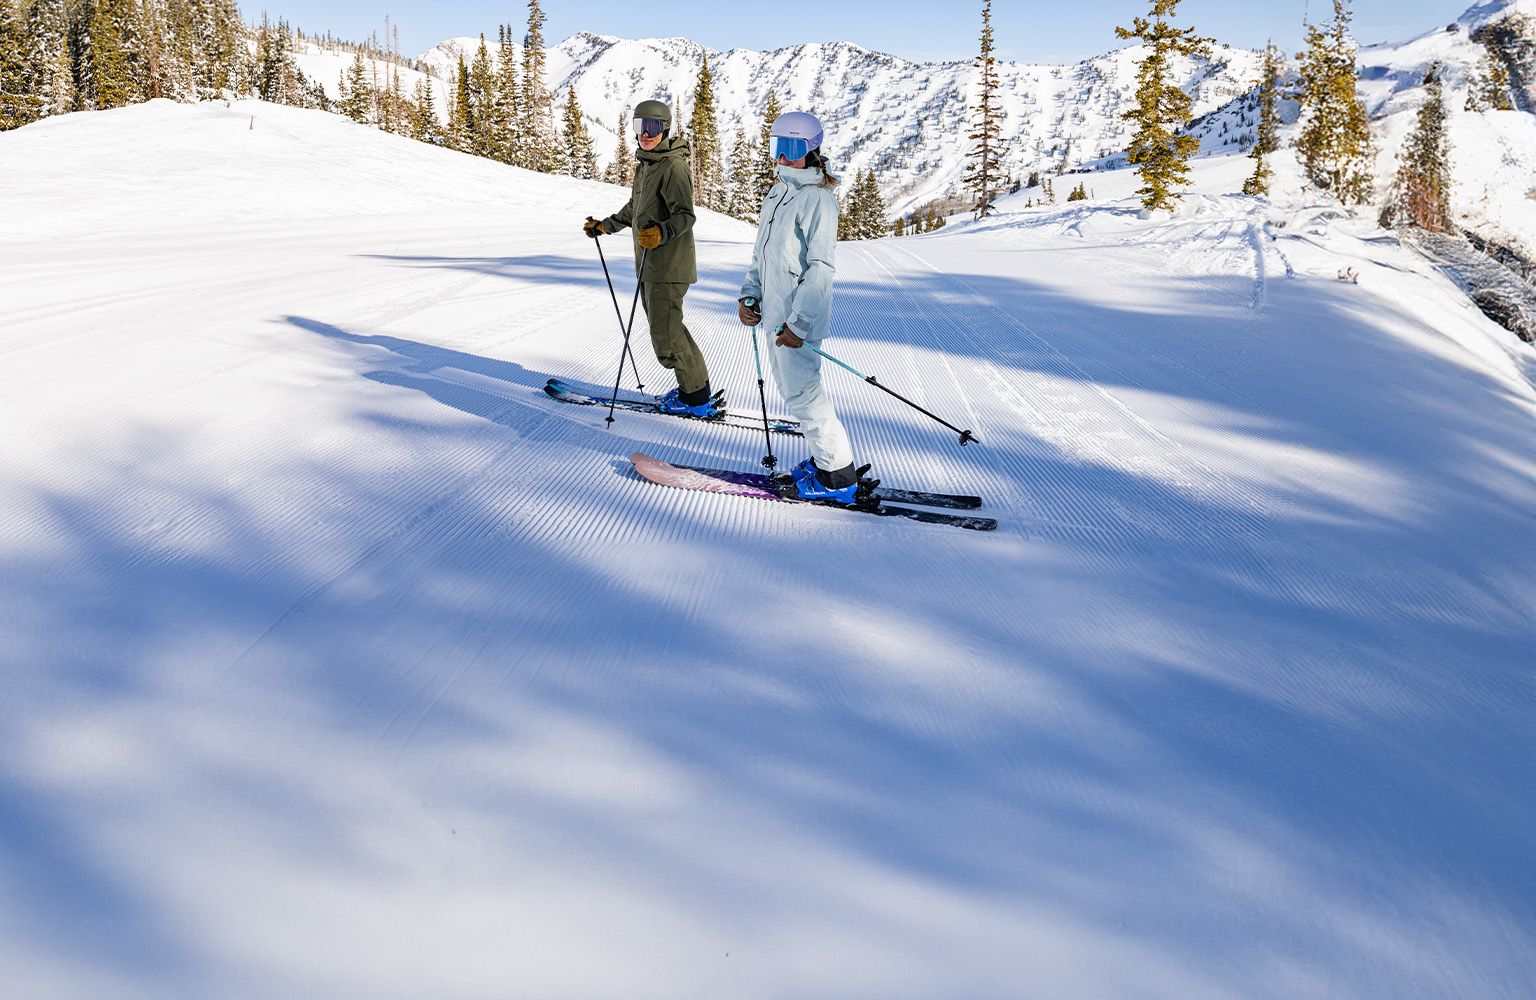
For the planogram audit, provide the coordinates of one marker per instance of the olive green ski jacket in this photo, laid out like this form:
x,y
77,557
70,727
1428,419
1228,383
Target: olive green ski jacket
x,y
662,195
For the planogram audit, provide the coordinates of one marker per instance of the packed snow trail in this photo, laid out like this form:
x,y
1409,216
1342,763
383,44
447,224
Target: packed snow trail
x,y
341,659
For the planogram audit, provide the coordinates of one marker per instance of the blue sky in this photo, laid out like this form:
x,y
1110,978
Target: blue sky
x,y
1026,30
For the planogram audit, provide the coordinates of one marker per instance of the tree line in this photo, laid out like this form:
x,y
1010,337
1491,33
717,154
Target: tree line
x,y
58,56
1334,144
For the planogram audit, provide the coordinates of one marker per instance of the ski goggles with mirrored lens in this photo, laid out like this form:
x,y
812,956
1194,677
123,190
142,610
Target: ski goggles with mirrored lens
x,y
790,148
650,126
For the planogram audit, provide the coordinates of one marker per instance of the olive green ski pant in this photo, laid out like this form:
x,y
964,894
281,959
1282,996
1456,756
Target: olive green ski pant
x,y
674,346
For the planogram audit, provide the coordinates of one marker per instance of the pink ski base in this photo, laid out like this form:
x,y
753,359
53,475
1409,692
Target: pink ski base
x,y
740,484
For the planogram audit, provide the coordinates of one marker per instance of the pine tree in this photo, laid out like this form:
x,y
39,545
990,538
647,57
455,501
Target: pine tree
x,y
458,136
424,123
18,103
872,223
168,49
538,119
1489,89
581,159
1079,193
508,97
704,142
986,135
1335,141
1423,189
1158,149
900,228
1268,139
745,157
106,75
277,75
622,169
767,170
357,95
217,34
47,58
480,114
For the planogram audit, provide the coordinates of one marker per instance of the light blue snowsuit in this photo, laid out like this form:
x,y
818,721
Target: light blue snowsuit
x,y
791,277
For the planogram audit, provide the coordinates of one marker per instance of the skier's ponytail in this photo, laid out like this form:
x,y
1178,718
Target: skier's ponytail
x,y
815,159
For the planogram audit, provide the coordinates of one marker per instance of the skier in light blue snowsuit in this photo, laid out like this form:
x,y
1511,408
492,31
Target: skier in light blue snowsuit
x,y
789,288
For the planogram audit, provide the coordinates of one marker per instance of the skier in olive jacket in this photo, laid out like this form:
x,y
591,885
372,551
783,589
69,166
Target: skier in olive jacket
x,y
660,209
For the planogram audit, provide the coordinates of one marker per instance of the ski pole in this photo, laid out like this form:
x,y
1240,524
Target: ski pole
x,y
966,437
616,311
639,278
768,460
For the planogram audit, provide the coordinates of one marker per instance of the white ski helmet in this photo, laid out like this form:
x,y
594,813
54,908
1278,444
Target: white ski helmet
x,y
798,125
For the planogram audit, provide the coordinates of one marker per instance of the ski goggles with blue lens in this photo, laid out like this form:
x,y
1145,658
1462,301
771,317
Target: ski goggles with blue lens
x,y
650,126
790,148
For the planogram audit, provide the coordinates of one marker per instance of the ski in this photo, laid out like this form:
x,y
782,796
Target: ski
x,y
872,487
557,389
760,487
923,498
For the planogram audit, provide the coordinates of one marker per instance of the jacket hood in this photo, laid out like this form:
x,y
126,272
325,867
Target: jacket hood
x,y
673,145
800,176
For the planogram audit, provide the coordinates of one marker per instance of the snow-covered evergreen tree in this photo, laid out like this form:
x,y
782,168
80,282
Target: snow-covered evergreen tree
x,y
984,173
873,224
540,141
1489,89
1335,141
1422,191
704,142
863,211
47,59
622,168
581,159
1267,139
216,24
508,94
108,32
18,103
425,126
357,94
767,171
457,136
277,74
743,185
481,110
1158,149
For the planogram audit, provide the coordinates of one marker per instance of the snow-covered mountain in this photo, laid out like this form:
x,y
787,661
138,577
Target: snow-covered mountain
x,y
906,120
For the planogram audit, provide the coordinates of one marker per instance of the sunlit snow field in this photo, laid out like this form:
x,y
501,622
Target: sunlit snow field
x,y
340,661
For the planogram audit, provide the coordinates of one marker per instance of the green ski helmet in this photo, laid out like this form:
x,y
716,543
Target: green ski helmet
x,y
652,118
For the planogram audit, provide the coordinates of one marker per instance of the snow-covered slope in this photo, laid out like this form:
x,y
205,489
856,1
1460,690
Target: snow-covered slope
x,y
1493,160
340,661
328,66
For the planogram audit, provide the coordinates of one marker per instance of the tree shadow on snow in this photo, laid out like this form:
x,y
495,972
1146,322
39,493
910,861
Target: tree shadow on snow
x,y
1164,738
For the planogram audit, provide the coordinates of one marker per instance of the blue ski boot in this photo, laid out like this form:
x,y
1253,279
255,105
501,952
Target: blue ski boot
x,y
809,486
672,403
